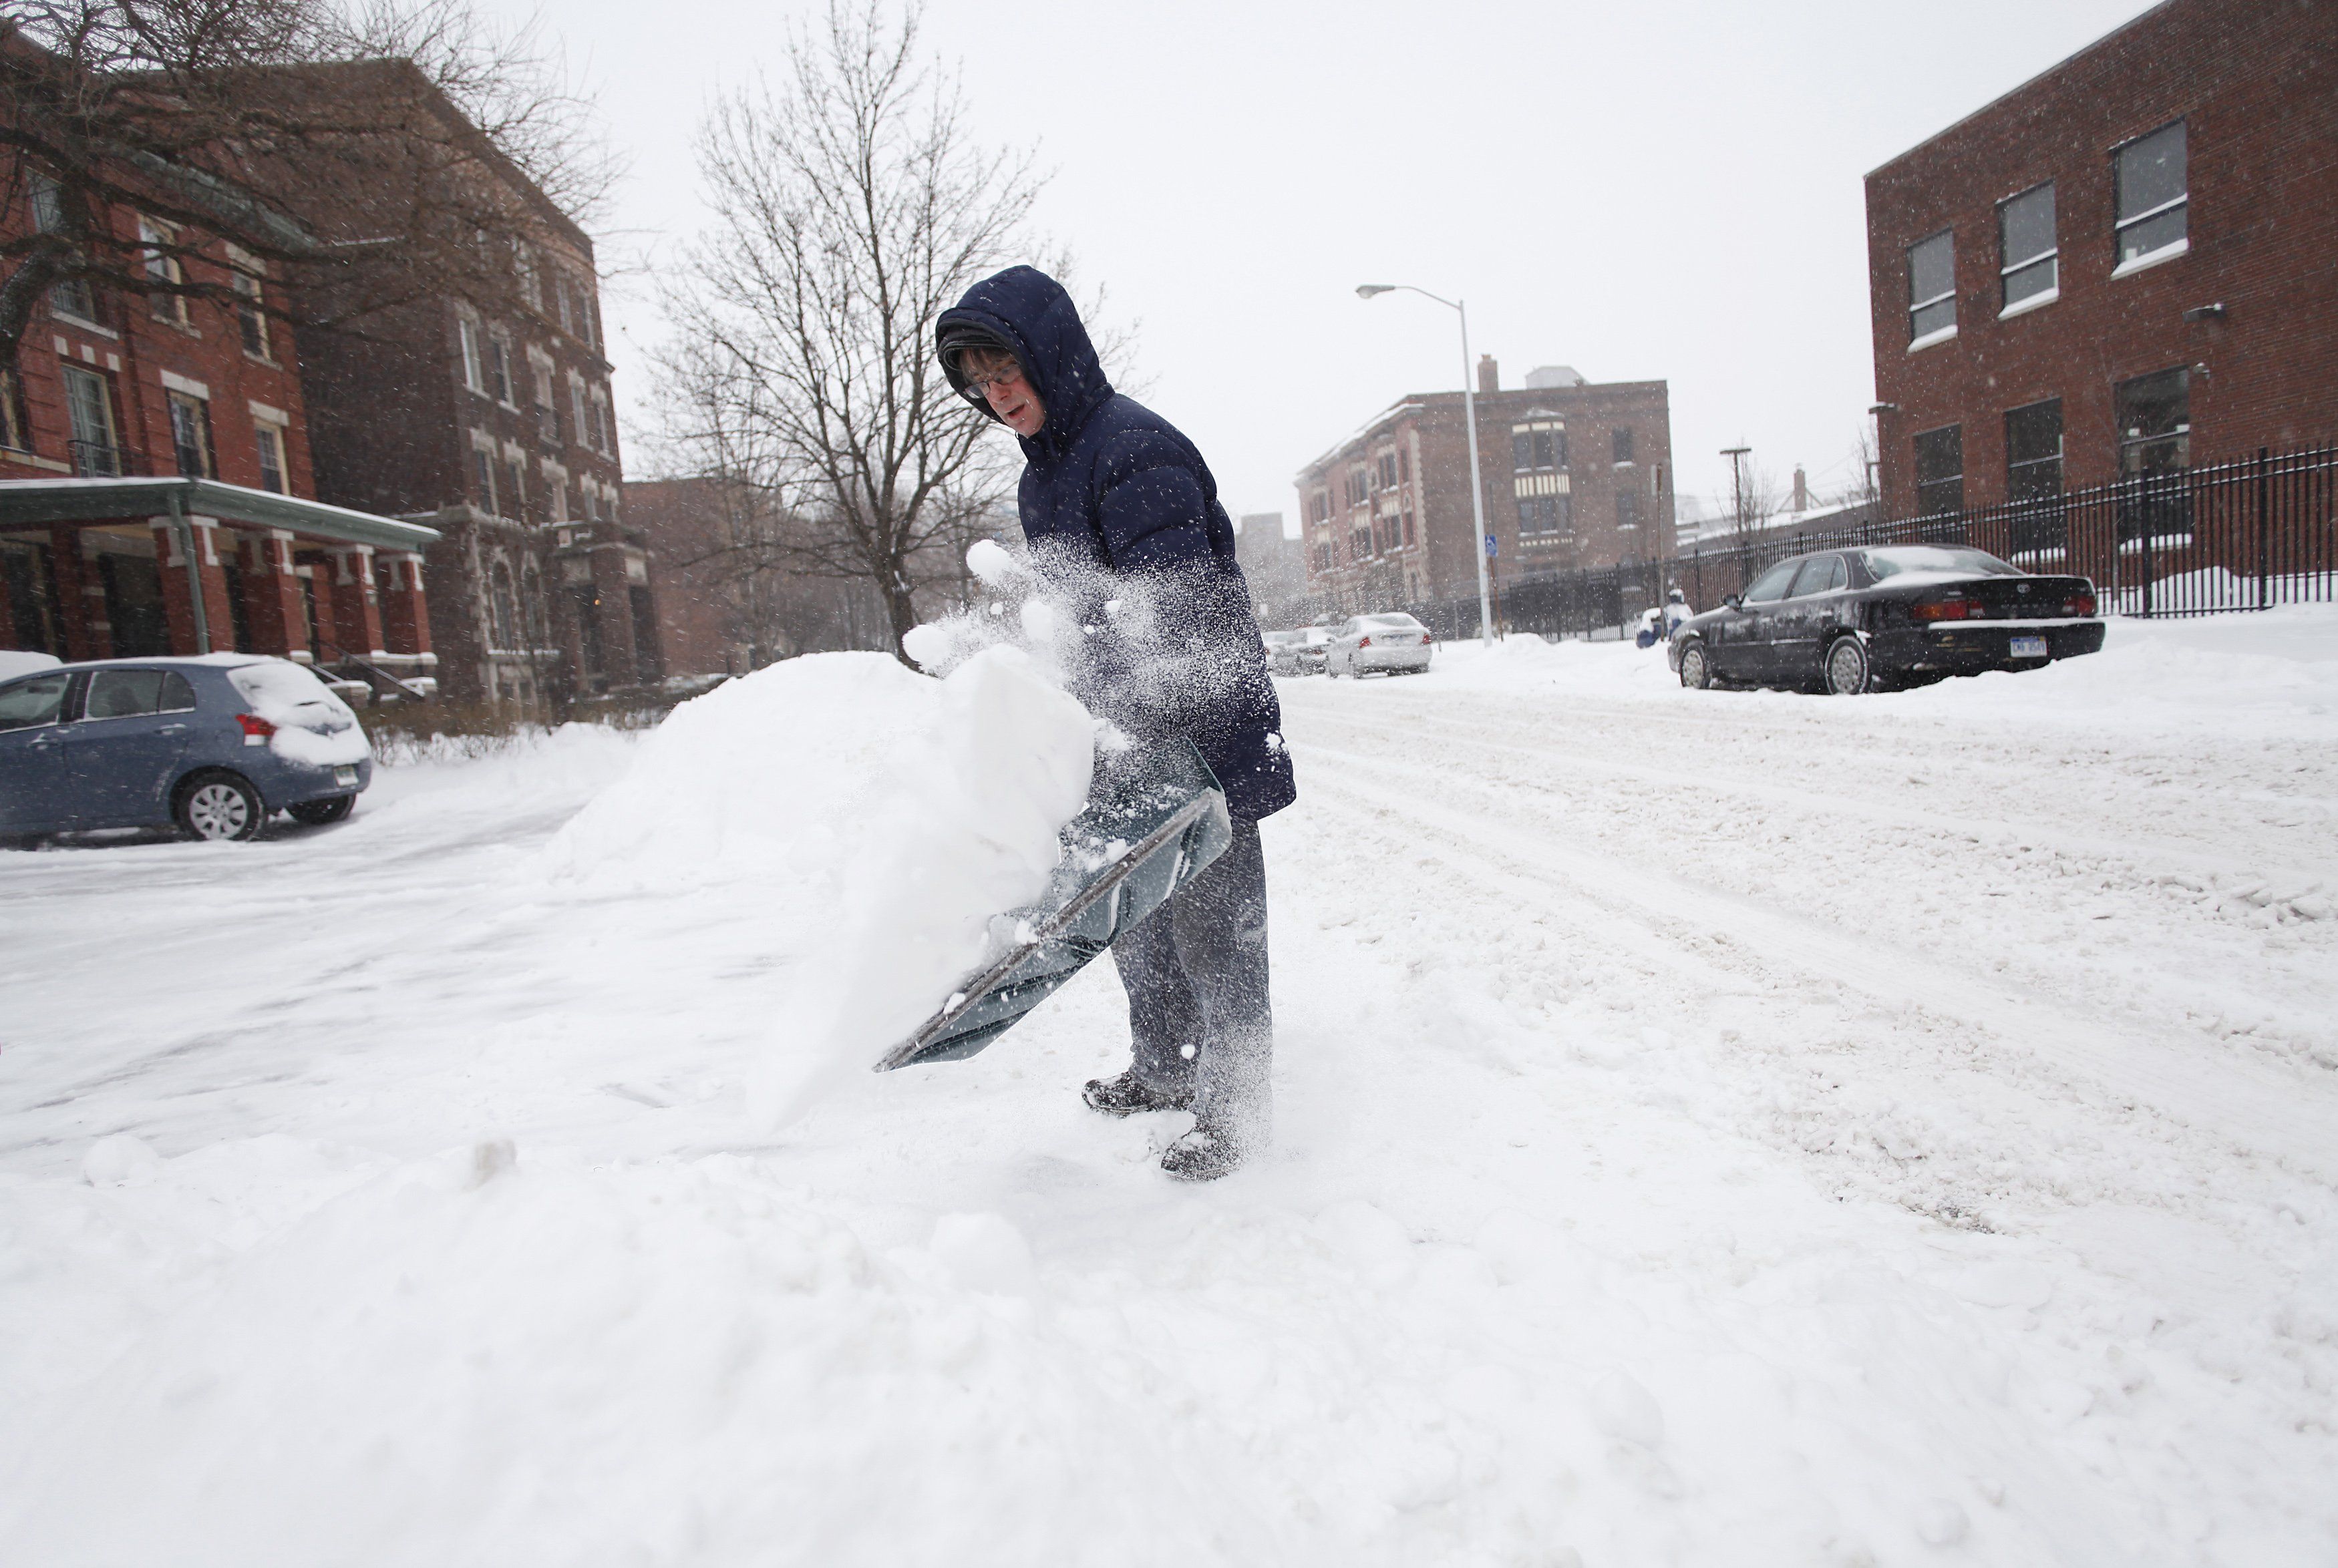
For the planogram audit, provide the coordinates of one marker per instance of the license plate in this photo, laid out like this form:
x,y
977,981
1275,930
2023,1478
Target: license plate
x,y
2028,648
349,776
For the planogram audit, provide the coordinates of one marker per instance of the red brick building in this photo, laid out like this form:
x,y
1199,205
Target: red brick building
x,y
2122,267
1576,475
490,420
156,493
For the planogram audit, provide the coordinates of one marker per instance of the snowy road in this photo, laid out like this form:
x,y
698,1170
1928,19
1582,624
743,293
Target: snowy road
x,y
1715,1128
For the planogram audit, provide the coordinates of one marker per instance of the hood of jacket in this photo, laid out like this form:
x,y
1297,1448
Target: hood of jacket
x,y
1033,316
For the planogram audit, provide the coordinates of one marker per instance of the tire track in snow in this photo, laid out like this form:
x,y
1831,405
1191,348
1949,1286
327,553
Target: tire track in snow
x,y
2247,1103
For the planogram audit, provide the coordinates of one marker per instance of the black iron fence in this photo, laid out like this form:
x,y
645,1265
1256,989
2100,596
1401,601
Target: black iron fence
x,y
2242,535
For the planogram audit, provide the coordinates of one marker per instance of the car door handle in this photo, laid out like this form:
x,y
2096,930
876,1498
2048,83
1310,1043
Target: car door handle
x,y
51,739
171,730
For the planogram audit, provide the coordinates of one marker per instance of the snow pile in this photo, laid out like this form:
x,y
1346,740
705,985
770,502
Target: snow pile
x,y
875,819
314,727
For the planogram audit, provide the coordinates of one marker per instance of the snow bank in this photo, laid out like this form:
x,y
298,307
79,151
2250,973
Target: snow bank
x,y
875,819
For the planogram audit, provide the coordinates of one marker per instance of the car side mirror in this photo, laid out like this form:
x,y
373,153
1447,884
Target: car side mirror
x,y
1732,601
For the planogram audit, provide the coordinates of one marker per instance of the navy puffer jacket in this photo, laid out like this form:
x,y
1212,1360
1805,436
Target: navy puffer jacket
x,y
1123,516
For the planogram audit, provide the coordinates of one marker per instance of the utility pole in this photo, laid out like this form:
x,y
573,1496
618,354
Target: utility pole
x,y
1737,485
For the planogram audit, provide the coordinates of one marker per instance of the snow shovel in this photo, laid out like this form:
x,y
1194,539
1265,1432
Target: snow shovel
x,y
1153,821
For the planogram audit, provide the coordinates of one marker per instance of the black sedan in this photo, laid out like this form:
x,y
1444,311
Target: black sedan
x,y
1847,620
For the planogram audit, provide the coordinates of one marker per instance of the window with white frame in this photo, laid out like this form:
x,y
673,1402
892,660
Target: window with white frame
x,y
516,499
1931,288
475,374
160,261
498,367
524,270
483,470
191,434
74,297
270,441
89,407
2153,195
547,412
2028,257
576,410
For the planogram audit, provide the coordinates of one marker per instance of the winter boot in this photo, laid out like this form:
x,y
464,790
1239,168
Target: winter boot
x,y
1127,1095
1205,1154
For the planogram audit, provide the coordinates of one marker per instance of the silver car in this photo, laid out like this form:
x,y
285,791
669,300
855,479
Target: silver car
x,y
1393,644
1299,652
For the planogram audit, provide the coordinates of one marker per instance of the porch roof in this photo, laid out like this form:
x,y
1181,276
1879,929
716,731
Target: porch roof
x,y
42,503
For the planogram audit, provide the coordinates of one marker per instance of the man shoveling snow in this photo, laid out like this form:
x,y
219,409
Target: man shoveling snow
x,y
1123,519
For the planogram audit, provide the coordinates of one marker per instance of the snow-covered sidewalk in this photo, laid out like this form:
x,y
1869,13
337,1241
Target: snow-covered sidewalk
x,y
1715,1128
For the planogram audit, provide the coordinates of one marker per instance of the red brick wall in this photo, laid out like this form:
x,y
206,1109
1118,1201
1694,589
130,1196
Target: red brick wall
x,y
2257,83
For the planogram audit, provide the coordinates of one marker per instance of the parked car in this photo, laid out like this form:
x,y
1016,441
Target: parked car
x,y
1392,642
1849,620
211,745
1299,652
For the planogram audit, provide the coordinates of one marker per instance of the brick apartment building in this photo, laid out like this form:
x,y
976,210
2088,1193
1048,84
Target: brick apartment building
x,y
490,420
694,527
1273,567
156,493
2123,268
1576,475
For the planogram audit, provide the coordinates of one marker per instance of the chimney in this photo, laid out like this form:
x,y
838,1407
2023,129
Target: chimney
x,y
1489,374
1802,492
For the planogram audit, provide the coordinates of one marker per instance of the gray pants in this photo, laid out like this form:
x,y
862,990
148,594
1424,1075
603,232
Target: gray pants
x,y
1195,972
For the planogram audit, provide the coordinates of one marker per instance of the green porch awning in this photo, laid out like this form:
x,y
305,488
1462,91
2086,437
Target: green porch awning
x,y
45,503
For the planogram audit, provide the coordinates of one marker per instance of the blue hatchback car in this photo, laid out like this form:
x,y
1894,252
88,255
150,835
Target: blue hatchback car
x,y
213,745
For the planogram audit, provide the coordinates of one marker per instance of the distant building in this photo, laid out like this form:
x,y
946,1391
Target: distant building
x,y
2120,268
1274,567
1575,473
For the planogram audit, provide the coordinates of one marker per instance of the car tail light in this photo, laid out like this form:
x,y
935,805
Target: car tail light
x,y
1364,642
2078,604
1948,609
256,730
1426,635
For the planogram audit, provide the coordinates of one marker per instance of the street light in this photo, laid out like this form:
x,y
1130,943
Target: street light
x,y
1737,486
1470,416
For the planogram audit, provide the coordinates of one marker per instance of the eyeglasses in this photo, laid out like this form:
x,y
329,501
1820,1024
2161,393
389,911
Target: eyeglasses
x,y
979,383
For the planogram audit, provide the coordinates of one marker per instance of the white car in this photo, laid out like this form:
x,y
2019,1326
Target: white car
x,y
1393,644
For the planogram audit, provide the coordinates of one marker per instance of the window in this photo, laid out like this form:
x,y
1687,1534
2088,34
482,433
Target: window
x,y
475,374
483,469
547,412
1627,511
568,305
1412,536
503,609
556,496
2155,423
517,497
1387,470
1931,288
1772,584
499,377
1622,441
531,283
162,268
1541,444
2033,451
1820,574
14,433
592,503
2151,194
1940,470
604,426
191,435
250,315
73,297
2027,255
89,406
33,701
271,442
1543,515
576,402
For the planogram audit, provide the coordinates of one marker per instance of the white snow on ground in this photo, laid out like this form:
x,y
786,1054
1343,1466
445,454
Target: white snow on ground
x,y
1717,1127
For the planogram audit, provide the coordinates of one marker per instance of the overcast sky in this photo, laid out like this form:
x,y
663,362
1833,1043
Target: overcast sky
x,y
1640,190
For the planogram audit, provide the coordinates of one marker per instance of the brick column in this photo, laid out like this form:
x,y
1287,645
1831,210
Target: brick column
x,y
272,600
616,614
406,618
357,608
178,596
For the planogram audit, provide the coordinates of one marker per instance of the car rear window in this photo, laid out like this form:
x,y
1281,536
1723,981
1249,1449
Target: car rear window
x,y
33,701
282,692
1951,560
1391,622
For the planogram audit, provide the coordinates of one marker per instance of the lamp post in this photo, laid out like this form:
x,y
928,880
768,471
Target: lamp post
x,y
1468,413
1738,487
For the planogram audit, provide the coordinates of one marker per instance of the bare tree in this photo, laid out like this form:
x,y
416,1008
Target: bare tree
x,y
353,155
855,207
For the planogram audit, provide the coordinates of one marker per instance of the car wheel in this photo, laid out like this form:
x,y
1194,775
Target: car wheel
x,y
1695,669
219,806
1847,673
317,813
